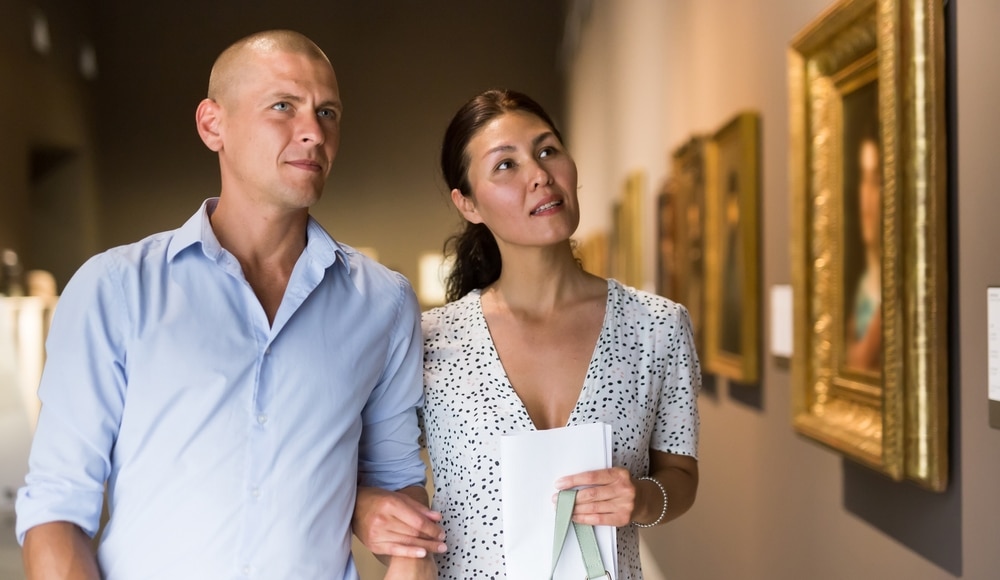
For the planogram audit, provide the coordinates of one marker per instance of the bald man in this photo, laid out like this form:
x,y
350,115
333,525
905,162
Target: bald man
x,y
229,383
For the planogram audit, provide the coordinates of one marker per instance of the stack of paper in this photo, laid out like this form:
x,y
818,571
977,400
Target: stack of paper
x,y
530,463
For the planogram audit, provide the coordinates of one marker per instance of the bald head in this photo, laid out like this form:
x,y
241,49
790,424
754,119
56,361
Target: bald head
x,y
233,61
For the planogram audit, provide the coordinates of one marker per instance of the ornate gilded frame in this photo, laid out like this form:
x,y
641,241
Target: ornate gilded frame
x,y
893,419
732,259
627,243
681,235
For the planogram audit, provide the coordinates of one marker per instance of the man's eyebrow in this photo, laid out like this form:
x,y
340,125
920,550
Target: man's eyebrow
x,y
328,104
331,104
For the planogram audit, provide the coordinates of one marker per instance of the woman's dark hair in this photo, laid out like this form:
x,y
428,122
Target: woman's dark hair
x,y
477,257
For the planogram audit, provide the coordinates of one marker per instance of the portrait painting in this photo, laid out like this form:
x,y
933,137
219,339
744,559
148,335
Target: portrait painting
x,y
592,252
732,305
869,278
667,267
627,244
688,183
862,230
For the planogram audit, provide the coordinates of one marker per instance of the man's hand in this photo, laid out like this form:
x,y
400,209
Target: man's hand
x,y
396,523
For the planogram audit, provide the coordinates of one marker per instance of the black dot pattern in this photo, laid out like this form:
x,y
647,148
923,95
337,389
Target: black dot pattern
x,y
643,380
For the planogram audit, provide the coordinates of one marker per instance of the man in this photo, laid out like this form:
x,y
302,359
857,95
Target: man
x,y
233,381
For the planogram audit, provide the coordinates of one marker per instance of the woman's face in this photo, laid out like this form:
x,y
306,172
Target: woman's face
x,y
870,193
522,181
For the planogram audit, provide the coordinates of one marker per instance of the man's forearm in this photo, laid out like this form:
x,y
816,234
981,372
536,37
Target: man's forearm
x,y
59,551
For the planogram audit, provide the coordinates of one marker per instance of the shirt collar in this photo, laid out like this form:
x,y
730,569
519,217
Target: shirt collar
x,y
320,246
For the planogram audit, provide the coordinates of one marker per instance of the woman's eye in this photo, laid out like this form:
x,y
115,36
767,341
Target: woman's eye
x,y
505,165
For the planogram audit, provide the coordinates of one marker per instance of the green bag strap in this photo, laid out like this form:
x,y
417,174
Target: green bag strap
x,y
584,535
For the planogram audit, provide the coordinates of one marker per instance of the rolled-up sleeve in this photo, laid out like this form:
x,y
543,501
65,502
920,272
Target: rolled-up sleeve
x,y
389,453
82,394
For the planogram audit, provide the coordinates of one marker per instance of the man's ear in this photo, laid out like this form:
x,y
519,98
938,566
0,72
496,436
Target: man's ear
x,y
466,207
207,118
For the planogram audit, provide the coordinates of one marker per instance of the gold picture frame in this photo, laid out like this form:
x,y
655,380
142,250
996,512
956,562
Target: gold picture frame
x,y
870,358
626,246
668,280
592,251
732,232
681,235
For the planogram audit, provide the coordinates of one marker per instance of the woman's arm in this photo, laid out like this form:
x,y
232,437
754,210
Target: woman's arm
x,y
678,474
612,497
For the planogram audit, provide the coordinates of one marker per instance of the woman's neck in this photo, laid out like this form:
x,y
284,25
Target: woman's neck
x,y
540,281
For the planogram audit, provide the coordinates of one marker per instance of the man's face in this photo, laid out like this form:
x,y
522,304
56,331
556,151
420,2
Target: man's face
x,y
280,129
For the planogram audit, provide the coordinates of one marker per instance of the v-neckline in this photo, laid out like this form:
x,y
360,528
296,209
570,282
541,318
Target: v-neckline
x,y
509,389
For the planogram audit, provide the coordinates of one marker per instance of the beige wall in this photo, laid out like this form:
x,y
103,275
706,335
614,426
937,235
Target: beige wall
x,y
48,206
773,504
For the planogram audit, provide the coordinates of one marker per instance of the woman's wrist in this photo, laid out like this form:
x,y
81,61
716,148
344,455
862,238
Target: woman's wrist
x,y
663,509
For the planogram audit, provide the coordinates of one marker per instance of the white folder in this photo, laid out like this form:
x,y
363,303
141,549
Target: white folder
x,y
530,463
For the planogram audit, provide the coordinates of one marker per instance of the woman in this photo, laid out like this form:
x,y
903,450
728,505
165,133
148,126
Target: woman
x,y
530,340
864,323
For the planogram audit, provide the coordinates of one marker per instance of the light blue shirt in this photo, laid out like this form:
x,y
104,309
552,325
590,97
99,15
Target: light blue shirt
x,y
231,447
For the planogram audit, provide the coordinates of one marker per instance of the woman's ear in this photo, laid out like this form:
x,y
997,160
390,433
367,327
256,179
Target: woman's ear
x,y
466,207
207,118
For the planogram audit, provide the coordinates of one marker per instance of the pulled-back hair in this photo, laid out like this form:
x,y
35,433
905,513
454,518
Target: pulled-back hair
x,y
477,257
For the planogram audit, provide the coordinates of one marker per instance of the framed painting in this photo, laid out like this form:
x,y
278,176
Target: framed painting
x,y
592,251
681,258
732,302
668,282
870,357
627,245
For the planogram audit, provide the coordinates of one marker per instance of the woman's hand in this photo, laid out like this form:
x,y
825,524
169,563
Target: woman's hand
x,y
610,497
607,496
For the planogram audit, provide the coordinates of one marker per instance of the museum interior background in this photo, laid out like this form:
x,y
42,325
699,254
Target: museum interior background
x,y
91,161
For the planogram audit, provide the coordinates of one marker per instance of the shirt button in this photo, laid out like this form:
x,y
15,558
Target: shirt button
x,y
246,570
255,492
262,419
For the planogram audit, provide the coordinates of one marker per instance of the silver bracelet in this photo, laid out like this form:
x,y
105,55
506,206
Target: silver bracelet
x,y
663,512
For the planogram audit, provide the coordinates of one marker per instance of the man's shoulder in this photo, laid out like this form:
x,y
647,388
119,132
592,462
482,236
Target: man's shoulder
x,y
153,248
131,255
363,265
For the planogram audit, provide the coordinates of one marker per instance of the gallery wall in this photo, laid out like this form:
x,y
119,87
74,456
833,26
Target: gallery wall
x,y
48,183
773,504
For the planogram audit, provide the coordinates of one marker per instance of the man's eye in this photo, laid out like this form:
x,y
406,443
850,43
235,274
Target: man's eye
x,y
327,114
281,106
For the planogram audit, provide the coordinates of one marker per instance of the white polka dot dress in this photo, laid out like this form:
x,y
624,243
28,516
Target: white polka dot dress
x,y
643,380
